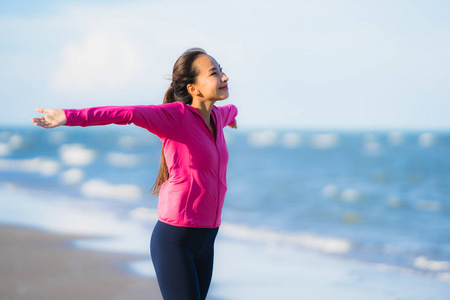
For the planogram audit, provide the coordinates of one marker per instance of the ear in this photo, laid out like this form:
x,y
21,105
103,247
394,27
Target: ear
x,y
192,89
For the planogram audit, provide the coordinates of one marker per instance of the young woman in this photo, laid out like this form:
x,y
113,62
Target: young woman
x,y
192,179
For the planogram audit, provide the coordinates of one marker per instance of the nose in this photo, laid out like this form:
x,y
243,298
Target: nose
x,y
224,77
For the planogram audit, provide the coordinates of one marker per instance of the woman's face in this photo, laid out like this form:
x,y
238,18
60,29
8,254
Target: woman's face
x,y
211,82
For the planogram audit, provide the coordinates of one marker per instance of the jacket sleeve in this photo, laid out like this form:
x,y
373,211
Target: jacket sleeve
x,y
162,120
229,113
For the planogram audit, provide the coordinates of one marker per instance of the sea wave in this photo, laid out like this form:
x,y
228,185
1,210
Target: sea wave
x,y
11,143
57,137
101,189
262,139
76,155
324,141
122,160
395,138
426,140
40,165
5,150
144,214
291,140
307,240
72,176
424,263
428,205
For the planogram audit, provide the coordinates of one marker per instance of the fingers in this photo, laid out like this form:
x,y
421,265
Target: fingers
x,y
35,120
52,119
42,110
42,122
38,121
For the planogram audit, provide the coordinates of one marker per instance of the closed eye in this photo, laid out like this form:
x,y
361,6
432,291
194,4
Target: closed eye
x,y
215,71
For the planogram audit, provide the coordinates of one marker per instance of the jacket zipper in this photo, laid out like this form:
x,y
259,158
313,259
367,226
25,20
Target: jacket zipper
x,y
211,134
218,175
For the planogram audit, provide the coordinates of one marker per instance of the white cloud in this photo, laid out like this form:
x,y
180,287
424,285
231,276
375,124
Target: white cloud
x,y
291,63
101,60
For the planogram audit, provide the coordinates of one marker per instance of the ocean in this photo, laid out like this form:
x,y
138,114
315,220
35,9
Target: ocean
x,y
367,199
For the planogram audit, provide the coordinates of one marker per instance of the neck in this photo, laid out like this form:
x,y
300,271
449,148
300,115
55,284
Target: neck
x,y
204,108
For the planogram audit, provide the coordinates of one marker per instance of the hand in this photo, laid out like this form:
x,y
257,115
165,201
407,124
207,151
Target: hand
x,y
54,118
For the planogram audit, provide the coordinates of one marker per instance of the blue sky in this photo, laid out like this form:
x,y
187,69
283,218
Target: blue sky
x,y
292,64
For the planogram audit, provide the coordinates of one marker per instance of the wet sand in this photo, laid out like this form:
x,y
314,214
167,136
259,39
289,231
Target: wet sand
x,y
42,265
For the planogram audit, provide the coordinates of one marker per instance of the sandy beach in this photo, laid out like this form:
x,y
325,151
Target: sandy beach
x,y
46,265
43,265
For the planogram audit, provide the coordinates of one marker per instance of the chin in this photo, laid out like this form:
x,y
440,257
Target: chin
x,y
221,96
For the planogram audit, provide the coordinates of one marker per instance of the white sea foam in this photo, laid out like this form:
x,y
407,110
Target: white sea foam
x,y
75,216
329,245
144,214
263,138
57,137
4,135
13,142
372,148
16,142
350,195
43,166
291,140
394,202
347,195
371,145
444,276
127,142
72,176
5,150
424,263
324,141
103,189
122,160
428,205
395,138
426,140
330,191
76,155
65,215
228,138
370,137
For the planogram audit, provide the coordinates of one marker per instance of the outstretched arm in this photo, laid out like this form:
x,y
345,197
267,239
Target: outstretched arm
x,y
52,119
162,120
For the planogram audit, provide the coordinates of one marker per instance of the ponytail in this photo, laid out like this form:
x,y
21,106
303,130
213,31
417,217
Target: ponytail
x,y
169,97
184,73
163,173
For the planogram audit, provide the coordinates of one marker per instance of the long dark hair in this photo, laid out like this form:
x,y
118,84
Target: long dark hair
x,y
184,73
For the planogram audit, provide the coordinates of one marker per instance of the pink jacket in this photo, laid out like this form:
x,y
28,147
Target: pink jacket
x,y
193,195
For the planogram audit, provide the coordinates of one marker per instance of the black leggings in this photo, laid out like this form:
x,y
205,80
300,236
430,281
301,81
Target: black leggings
x,y
183,260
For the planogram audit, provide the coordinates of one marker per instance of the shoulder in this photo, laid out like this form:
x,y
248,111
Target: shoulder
x,y
171,109
175,106
227,114
227,109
